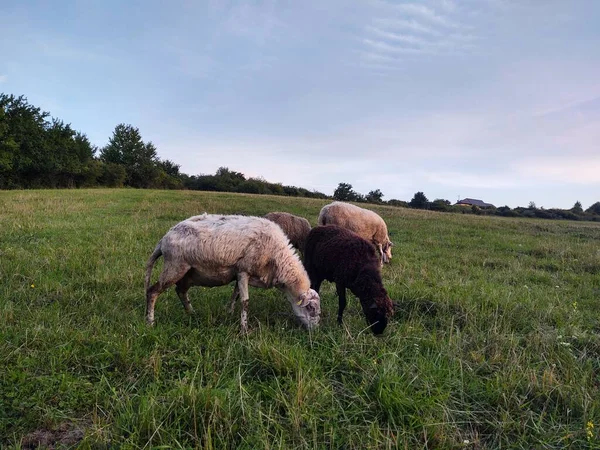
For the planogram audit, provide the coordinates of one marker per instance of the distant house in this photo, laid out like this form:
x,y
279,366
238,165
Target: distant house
x,y
474,202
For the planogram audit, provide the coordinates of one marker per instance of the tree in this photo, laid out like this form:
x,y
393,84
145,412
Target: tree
x,y
375,196
419,201
169,167
345,193
23,147
68,154
139,158
8,147
505,211
439,204
577,209
36,151
594,209
226,173
532,205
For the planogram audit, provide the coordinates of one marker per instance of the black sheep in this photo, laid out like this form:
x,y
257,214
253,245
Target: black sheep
x,y
339,255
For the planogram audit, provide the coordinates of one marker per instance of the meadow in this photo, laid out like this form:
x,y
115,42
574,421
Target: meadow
x,y
495,342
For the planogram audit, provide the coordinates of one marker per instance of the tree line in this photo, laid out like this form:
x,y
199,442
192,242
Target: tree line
x,y
420,201
38,151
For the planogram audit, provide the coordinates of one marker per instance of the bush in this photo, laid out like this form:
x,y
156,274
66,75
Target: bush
x,y
395,202
440,205
113,175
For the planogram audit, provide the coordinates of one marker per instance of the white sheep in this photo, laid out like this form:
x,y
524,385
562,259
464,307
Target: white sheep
x,y
214,250
364,222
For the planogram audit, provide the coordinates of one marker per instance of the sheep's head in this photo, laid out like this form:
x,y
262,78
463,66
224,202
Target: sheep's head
x,y
386,251
307,308
377,313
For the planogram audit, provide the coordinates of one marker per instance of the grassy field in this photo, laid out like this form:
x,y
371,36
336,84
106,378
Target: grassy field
x,y
495,344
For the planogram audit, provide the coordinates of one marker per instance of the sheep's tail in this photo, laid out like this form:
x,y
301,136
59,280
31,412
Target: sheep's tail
x,y
150,264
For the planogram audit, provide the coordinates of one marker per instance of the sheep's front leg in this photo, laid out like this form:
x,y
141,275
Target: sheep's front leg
x,y
341,292
316,285
242,285
234,295
381,254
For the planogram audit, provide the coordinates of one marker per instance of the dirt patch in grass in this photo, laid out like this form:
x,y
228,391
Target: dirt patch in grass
x,y
67,434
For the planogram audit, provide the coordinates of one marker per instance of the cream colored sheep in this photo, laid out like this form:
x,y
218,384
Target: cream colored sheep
x,y
214,250
364,222
295,228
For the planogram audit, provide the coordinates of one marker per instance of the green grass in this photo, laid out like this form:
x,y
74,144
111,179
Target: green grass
x,y
496,343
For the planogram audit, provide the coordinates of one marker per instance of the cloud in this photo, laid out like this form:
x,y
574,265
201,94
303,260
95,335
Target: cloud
x,y
565,169
474,181
586,104
448,5
415,30
405,38
61,48
243,30
385,47
427,14
3,78
404,24
248,19
377,57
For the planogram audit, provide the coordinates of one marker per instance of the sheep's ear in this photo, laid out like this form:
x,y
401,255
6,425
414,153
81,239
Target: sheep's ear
x,y
301,300
308,297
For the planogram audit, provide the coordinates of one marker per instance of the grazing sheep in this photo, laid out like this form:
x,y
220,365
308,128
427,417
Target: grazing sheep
x,y
214,250
363,222
295,228
339,255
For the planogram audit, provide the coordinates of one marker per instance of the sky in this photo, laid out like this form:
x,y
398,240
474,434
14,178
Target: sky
x,y
497,100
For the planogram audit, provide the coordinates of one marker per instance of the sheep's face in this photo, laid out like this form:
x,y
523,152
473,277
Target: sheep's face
x,y
376,320
387,251
377,314
307,308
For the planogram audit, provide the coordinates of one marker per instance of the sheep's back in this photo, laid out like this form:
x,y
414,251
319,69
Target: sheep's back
x,y
363,222
295,228
338,253
224,240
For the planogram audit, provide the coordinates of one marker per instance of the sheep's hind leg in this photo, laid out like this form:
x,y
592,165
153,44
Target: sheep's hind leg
x,y
170,275
151,295
242,285
182,287
341,292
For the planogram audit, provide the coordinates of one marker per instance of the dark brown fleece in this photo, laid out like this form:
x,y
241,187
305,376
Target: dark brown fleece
x,y
339,255
295,228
